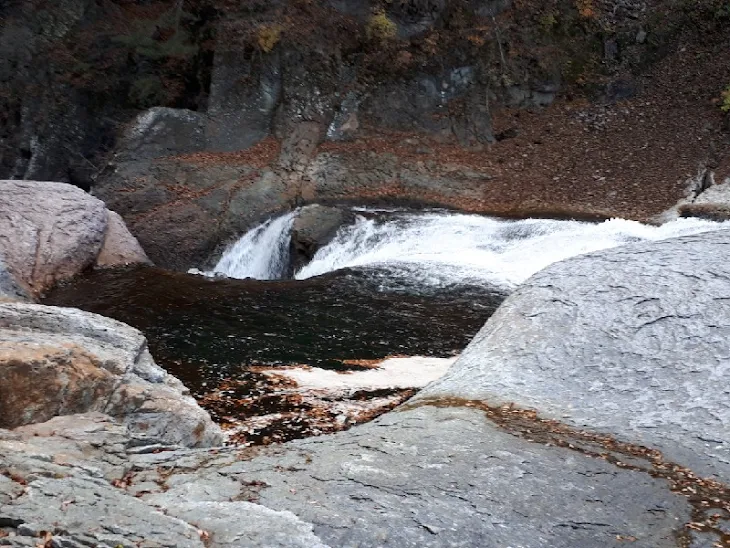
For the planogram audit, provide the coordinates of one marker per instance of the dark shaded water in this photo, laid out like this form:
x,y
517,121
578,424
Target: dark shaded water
x,y
204,331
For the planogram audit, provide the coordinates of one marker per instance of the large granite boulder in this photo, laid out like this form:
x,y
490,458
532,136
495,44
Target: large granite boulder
x,y
631,341
50,232
61,361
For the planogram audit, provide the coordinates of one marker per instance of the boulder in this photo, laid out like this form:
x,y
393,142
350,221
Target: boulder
x,y
630,342
60,361
50,232
625,350
314,227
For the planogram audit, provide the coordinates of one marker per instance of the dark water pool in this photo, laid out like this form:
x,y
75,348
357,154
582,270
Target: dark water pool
x,y
206,330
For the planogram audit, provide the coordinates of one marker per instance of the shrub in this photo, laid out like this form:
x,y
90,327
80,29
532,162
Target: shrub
x,y
725,100
585,8
268,36
381,28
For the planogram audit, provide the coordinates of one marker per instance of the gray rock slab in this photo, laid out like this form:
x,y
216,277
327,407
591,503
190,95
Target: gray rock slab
x,y
93,513
449,477
631,341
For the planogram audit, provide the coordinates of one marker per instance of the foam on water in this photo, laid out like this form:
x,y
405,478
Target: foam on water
x,y
261,253
441,248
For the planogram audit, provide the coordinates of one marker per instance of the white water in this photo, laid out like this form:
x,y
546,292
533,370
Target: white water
x,y
441,248
261,253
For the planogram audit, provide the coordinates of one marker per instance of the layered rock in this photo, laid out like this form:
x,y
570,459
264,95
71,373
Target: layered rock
x,y
60,361
50,232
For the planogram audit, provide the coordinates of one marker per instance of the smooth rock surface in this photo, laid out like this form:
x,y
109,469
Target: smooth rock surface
x,y
50,232
120,247
60,361
631,341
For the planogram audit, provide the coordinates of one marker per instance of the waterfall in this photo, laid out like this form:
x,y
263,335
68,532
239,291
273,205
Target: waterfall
x,y
261,253
439,248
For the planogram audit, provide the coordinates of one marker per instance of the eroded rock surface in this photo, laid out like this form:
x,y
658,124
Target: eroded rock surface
x,y
61,361
621,353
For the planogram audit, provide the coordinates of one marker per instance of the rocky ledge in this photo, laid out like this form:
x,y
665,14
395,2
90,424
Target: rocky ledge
x,y
591,410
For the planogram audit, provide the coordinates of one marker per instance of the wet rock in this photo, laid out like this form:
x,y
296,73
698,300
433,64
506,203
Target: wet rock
x,y
314,228
49,232
59,361
630,341
712,202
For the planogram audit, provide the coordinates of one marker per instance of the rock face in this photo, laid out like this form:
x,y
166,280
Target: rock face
x,y
314,228
161,131
59,361
630,341
50,232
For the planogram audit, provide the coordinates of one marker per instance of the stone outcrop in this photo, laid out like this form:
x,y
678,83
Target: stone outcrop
x,y
314,227
631,341
589,411
61,361
159,132
50,232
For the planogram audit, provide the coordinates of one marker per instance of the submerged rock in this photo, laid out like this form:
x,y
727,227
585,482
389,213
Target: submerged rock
x,y
59,361
50,232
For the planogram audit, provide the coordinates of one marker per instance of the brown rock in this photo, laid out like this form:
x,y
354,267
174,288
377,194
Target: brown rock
x,y
43,381
61,361
120,247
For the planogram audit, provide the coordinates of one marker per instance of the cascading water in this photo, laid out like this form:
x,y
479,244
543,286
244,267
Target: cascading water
x,y
261,253
437,248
